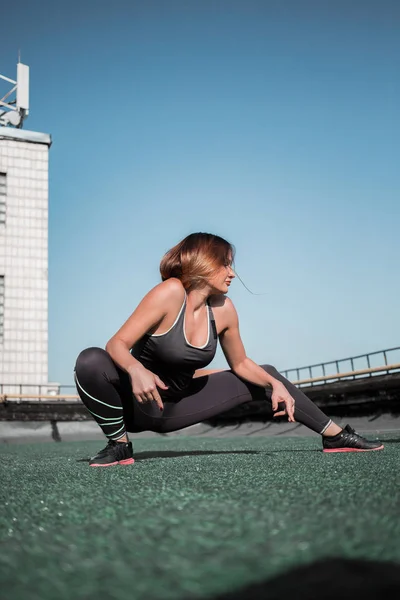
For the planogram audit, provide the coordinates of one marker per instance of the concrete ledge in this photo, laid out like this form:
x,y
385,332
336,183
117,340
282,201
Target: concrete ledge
x,y
16,432
23,135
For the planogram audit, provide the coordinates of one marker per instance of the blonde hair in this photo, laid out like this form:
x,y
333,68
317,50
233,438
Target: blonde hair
x,y
196,258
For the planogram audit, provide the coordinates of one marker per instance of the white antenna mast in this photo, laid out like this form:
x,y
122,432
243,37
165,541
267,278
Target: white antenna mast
x,y
13,111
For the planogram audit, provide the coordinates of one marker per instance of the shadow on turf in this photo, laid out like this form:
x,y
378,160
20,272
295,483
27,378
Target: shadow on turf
x,y
171,454
329,579
174,454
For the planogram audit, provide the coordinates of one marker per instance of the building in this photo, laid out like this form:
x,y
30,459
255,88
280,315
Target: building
x,y
24,159
24,168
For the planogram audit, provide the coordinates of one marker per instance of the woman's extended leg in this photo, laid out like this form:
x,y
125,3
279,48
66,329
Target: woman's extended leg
x,y
214,394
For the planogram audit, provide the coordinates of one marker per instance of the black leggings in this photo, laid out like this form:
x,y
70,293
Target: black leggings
x,y
106,391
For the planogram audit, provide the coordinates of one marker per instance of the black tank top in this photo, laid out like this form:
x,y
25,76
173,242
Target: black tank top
x,y
172,358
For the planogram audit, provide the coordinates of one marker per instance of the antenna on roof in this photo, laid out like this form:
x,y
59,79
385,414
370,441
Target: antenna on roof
x,y
14,111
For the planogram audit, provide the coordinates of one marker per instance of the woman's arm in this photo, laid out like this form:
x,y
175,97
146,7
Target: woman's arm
x,y
244,367
235,353
148,314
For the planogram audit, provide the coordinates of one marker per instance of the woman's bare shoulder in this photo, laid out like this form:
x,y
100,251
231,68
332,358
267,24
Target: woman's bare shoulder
x,y
222,302
170,289
224,312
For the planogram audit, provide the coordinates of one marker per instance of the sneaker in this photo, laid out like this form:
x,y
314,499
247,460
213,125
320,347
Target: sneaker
x,y
115,453
349,440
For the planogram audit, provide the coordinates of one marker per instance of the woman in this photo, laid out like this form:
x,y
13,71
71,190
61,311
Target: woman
x,y
151,375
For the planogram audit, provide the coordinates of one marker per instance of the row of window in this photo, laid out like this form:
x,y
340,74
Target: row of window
x,y
1,308
3,192
3,196
31,217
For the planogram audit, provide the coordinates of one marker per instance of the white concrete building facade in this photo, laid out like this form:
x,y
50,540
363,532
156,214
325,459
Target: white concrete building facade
x,y
24,160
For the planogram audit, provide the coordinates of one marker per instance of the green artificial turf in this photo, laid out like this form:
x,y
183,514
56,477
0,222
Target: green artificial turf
x,y
192,517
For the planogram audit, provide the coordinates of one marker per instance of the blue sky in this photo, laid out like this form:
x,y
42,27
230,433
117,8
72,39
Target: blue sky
x,y
272,123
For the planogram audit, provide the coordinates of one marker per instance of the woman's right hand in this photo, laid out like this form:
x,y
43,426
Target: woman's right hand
x,y
144,385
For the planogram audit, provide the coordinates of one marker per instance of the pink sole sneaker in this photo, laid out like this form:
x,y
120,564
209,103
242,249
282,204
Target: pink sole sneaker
x,y
354,449
127,461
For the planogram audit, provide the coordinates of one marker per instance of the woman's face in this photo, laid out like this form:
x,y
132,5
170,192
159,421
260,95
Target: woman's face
x,y
222,278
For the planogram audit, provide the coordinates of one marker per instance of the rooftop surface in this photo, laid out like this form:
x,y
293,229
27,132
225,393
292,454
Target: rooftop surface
x,y
193,517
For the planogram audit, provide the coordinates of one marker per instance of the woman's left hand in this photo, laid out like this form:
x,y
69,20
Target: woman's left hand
x,y
280,394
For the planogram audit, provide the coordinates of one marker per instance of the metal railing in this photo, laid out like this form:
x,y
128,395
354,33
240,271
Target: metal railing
x,y
23,388
363,365
320,373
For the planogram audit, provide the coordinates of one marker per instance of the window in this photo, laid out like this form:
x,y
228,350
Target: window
x,y
3,191
1,307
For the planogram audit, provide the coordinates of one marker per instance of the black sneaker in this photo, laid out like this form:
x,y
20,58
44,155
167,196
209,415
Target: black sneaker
x,y
115,453
349,440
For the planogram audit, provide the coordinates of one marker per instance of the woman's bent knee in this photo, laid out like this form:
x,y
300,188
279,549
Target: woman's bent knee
x,y
90,359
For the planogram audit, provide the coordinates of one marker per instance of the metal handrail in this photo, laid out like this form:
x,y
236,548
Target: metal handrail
x,y
4,397
353,374
323,366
